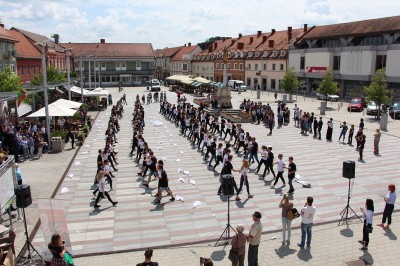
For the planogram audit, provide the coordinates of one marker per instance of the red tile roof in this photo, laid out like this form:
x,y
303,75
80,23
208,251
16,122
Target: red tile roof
x,y
36,38
5,35
182,51
370,27
112,50
24,48
280,39
168,52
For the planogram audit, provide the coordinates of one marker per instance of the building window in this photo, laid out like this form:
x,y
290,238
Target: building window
x,y
217,66
222,66
103,65
138,65
28,72
264,66
241,66
273,84
380,61
229,65
273,66
184,67
21,70
256,66
302,62
281,67
249,67
336,63
33,70
248,82
12,67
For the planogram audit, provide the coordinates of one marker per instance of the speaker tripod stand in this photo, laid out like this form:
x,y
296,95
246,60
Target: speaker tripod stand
x,y
32,252
345,211
226,233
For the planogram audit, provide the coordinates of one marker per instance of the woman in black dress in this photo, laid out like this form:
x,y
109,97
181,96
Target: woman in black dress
x,y
329,130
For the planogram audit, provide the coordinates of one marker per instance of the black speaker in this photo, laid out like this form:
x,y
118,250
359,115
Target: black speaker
x,y
349,169
23,196
227,186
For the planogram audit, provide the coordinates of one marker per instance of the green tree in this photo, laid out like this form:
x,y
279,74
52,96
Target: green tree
x,y
327,85
53,76
203,45
378,90
9,81
290,82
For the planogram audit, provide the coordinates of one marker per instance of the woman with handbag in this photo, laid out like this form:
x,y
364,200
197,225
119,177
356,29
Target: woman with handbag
x,y
287,217
368,213
57,248
238,250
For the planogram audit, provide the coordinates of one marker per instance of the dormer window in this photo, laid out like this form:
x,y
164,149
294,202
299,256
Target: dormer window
x,y
283,53
265,54
250,54
274,53
241,54
236,54
257,54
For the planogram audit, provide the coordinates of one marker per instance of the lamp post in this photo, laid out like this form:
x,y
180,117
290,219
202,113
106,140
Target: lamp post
x,y
94,71
90,76
81,77
68,50
46,100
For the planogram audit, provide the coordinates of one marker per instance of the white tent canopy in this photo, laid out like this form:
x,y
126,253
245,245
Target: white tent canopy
x,y
78,90
202,80
97,93
54,110
67,104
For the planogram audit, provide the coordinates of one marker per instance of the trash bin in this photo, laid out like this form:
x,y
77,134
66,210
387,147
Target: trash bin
x,y
57,144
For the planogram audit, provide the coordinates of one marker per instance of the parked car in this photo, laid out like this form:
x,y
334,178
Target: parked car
x,y
155,85
329,97
356,104
394,110
372,108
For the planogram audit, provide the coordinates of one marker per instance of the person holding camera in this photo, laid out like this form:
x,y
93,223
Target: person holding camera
x,y
254,239
307,214
285,205
57,248
238,243
368,213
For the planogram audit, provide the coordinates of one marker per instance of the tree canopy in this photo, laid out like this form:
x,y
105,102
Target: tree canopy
x,y
327,85
9,81
377,91
290,82
203,45
53,75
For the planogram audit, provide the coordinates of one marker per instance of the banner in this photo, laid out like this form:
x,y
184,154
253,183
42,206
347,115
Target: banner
x,y
53,221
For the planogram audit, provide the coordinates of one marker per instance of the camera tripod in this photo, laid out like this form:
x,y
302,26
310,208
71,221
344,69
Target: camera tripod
x,y
226,233
32,252
345,211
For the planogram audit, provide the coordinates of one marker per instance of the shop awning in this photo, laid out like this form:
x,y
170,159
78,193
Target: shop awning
x,y
67,104
78,90
202,80
54,110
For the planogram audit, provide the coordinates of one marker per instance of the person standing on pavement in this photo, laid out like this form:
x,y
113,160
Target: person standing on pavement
x,y
244,170
320,124
238,243
315,127
281,165
285,205
343,132
351,133
307,214
329,130
377,138
18,173
390,199
254,238
102,190
368,213
163,185
291,174
361,147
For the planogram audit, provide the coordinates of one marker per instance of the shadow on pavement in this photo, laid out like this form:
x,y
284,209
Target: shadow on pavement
x,y
347,232
367,258
304,254
390,235
218,255
284,251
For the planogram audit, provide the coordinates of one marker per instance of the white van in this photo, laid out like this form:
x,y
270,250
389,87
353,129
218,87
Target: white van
x,y
234,85
155,85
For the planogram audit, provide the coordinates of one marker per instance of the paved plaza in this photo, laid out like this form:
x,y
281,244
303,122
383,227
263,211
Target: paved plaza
x,y
136,223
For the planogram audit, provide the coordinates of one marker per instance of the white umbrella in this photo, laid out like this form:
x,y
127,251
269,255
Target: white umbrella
x,y
67,104
54,110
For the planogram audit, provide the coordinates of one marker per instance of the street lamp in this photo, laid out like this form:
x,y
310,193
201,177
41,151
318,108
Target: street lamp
x,y
90,76
67,51
46,100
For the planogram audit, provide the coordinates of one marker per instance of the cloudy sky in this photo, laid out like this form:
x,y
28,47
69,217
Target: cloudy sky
x,y
169,23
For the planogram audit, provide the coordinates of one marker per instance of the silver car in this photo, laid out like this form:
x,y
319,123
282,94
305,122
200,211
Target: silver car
x,y
372,108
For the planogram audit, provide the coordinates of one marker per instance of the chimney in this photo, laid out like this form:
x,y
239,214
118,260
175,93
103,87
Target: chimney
x,y
210,48
185,45
2,25
215,45
272,31
251,39
271,43
264,39
289,33
240,46
240,35
102,41
56,38
189,44
232,41
223,39
258,33
305,28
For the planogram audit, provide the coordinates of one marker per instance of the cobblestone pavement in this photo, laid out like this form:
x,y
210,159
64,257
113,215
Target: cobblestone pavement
x,y
136,223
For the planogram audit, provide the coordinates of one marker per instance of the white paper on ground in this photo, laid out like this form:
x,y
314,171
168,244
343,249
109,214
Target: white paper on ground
x,y
84,152
94,139
186,172
64,190
181,180
178,160
164,159
191,181
160,142
180,152
170,140
198,204
175,145
170,135
70,175
179,198
77,163
180,170
87,146
159,148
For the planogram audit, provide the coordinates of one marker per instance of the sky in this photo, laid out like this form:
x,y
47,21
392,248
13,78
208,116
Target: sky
x,y
171,23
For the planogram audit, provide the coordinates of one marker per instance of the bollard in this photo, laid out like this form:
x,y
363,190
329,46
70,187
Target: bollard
x,y
338,108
